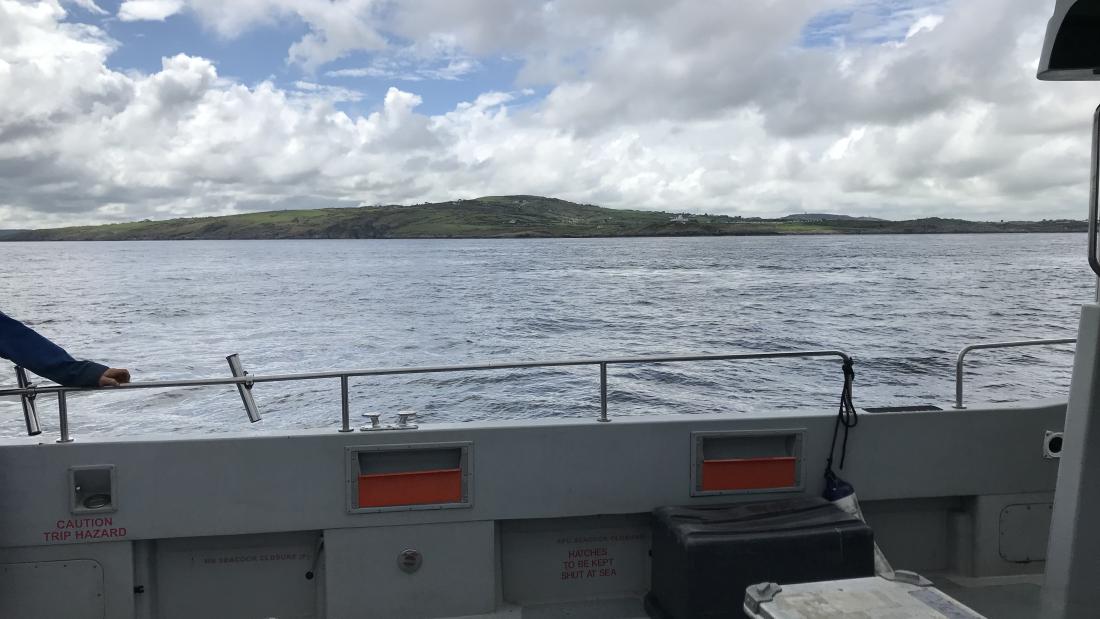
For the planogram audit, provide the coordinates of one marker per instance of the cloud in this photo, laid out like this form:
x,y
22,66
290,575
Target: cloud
x,y
908,111
371,71
336,27
437,59
335,94
927,23
89,5
149,10
871,21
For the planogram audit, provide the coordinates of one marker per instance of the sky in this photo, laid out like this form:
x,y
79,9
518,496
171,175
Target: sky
x,y
122,110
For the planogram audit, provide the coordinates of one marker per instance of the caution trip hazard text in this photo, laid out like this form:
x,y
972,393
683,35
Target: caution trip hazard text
x,y
83,529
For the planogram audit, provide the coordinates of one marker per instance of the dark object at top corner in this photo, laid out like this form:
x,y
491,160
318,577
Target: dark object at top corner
x,y
1071,50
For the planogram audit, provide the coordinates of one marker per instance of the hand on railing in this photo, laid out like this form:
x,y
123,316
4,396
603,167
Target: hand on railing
x,y
114,377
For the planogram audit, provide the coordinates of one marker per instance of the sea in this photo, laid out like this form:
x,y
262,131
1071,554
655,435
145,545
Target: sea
x,y
902,306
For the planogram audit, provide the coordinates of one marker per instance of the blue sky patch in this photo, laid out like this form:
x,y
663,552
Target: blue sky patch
x,y
866,22
260,53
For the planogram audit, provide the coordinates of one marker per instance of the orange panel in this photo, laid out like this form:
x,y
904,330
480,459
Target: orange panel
x,y
750,473
412,488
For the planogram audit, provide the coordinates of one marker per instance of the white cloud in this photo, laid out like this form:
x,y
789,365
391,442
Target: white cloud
x,y
336,27
414,64
336,94
924,24
370,71
149,10
89,5
651,104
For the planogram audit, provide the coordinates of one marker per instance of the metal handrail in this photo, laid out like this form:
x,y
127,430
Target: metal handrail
x,y
245,381
1094,193
962,356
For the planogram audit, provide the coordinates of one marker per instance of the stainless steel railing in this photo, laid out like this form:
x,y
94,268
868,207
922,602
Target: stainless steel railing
x,y
964,351
1094,194
245,381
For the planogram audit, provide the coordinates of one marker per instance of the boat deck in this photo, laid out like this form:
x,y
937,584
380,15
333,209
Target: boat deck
x,y
615,608
1005,597
527,497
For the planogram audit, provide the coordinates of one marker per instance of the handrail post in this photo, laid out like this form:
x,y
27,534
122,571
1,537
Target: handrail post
x,y
959,378
962,355
63,417
1094,195
345,409
30,413
603,392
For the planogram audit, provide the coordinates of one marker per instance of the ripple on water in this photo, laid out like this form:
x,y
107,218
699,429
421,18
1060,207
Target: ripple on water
x,y
902,305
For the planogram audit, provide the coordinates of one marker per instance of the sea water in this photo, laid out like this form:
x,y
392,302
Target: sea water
x,y
901,305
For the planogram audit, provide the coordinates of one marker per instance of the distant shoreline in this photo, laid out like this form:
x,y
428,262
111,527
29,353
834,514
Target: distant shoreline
x,y
513,217
4,239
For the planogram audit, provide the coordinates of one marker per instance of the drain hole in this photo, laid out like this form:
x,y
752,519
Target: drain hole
x,y
1054,445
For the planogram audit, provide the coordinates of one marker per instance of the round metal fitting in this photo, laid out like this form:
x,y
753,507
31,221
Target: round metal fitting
x,y
1052,445
409,560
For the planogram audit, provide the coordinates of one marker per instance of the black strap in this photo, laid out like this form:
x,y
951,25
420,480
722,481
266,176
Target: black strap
x,y
846,417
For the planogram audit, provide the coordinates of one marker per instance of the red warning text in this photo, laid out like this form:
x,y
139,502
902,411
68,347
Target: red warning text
x,y
587,562
83,529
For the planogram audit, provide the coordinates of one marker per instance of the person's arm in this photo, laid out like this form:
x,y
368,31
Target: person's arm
x,y
23,346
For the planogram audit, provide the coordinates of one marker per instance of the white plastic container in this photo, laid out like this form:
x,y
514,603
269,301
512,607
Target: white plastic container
x,y
906,596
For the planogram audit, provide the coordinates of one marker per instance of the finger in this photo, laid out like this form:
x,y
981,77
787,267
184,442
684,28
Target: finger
x,y
107,381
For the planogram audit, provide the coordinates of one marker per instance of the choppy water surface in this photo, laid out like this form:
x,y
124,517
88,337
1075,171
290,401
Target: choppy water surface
x,y
902,305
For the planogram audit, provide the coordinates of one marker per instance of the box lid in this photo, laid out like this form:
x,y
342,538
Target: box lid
x,y
907,596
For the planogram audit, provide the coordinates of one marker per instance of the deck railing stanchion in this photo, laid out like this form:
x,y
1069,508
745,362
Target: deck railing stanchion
x,y
30,414
345,411
63,417
962,356
603,392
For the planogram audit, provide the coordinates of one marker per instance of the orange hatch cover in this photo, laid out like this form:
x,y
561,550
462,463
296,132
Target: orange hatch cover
x,y
412,488
750,473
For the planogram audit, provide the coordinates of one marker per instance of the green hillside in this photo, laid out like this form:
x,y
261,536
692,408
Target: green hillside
x,y
503,217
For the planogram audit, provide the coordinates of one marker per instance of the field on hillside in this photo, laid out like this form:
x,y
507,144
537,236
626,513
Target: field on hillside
x,y
504,217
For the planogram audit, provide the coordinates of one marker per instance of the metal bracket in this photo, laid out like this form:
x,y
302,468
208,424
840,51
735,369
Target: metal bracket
x,y
30,413
316,557
245,388
403,419
908,578
759,594
1052,445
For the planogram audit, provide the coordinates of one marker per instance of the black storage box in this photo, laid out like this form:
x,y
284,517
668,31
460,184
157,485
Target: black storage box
x,y
705,557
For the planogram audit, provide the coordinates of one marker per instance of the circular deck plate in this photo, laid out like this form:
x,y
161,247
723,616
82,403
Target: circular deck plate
x,y
409,560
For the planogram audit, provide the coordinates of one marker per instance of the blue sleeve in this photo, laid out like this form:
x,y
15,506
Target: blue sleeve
x,y
21,345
